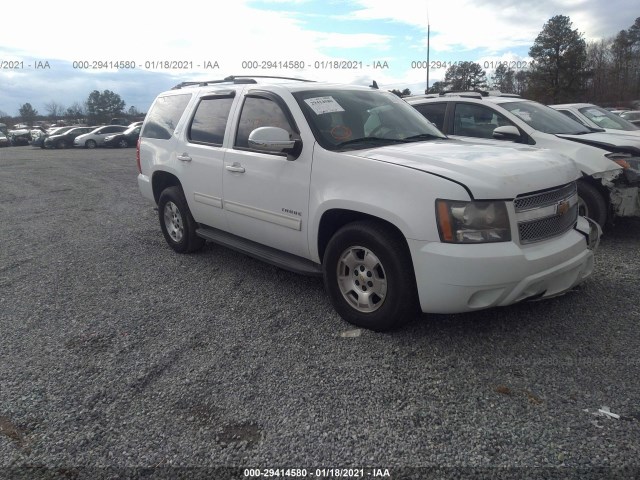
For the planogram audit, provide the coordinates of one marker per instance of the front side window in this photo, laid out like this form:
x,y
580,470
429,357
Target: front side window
x,y
210,120
471,120
544,119
571,116
260,112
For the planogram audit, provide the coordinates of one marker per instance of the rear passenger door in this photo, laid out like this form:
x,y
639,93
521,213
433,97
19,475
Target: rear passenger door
x,y
201,161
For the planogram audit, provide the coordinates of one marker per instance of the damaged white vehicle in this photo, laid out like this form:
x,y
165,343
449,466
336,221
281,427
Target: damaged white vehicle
x,y
352,184
609,163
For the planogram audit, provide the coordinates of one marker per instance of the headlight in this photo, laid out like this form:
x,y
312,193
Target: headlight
x,y
625,160
472,222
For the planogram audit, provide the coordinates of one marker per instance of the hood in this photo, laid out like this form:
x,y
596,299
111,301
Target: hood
x,y
612,142
487,171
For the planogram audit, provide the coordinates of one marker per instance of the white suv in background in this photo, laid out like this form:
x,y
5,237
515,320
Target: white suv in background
x,y
609,164
353,184
598,119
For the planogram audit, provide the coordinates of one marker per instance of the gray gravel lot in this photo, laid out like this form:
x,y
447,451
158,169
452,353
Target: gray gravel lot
x,y
118,353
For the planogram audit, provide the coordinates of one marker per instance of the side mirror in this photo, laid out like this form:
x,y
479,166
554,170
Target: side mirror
x,y
274,140
508,132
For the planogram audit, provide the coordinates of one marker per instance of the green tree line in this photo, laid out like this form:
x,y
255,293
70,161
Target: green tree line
x,y
564,68
99,108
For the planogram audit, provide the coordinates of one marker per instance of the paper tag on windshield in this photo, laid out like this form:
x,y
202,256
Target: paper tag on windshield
x,y
322,105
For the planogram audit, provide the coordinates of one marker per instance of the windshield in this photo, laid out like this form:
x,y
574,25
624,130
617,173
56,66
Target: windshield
x,y
352,119
544,119
605,119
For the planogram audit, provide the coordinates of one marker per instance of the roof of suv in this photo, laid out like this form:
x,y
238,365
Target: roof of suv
x,y
466,96
286,83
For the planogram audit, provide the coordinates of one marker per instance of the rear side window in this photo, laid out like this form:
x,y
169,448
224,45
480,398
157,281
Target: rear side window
x,y
164,116
210,120
434,112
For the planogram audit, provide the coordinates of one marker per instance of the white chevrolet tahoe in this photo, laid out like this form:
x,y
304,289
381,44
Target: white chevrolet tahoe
x,y
353,184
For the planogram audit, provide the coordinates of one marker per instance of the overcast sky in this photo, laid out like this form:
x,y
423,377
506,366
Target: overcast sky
x,y
390,35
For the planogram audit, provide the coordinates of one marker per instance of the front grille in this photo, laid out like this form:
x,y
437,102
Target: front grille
x,y
530,201
546,214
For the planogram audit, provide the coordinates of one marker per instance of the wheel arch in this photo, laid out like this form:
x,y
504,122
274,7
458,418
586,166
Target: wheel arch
x,y
597,184
334,219
162,180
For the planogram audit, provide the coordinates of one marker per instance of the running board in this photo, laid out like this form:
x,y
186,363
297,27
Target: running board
x,y
284,260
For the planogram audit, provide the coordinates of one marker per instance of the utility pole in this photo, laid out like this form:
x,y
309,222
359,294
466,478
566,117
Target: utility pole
x,y
428,40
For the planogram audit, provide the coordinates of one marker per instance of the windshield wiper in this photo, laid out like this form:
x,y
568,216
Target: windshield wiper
x,y
364,141
424,136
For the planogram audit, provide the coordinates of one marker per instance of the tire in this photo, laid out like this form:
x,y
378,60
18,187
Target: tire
x,y
90,144
122,143
176,221
368,274
62,144
592,204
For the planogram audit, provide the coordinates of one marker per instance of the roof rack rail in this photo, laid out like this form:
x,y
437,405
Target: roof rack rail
x,y
477,93
236,79
464,93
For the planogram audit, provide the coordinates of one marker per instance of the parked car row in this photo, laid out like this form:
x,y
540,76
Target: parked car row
x,y
92,137
605,148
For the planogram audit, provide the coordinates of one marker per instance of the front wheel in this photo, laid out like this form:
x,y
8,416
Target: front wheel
x,y
90,144
176,221
592,204
369,276
122,143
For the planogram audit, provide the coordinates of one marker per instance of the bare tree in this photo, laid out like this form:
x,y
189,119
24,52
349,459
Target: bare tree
x,y
54,109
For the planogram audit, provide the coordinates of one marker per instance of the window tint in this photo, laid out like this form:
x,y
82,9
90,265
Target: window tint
x,y
471,120
434,112
260,112
164,116
210,120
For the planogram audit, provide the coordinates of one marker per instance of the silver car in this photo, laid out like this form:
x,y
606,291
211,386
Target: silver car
x,y
96,138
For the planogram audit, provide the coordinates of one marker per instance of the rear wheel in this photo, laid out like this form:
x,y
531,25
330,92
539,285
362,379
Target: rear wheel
x,y
369,276
176,221
122,143
90,144
591,203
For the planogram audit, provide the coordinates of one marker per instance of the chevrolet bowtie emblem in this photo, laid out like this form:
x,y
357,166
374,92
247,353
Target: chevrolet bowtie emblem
x,y
563,207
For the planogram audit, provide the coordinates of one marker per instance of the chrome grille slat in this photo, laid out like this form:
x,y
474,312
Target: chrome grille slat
x,y
526,202
549,225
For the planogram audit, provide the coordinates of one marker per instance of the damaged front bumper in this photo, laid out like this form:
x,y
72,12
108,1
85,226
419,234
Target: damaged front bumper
x,y
591,231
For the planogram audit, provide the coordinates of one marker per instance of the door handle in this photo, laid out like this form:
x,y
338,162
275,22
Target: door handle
x,y
236,167
184,157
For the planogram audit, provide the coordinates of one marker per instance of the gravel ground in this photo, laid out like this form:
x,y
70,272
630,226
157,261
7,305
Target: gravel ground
x,y
121,358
